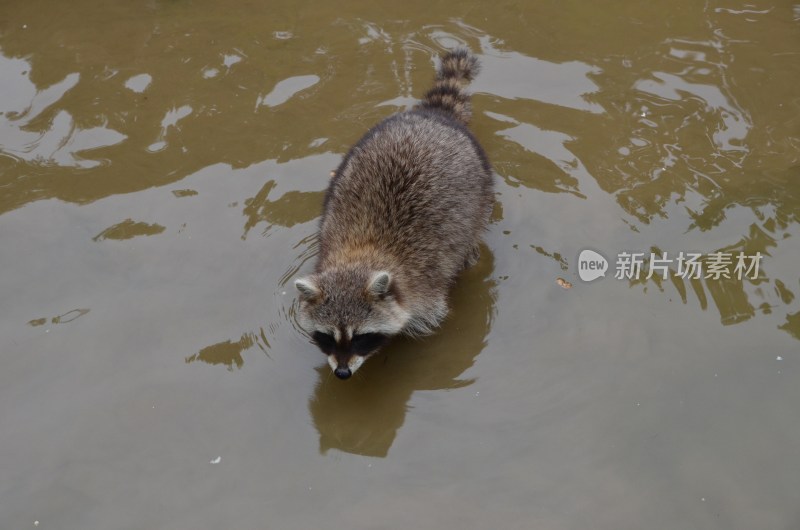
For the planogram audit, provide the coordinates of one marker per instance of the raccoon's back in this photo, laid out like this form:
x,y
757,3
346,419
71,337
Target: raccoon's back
x,y
418,188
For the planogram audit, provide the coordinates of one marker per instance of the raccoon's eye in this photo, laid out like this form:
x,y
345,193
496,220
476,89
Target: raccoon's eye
x,y
324,340
367,342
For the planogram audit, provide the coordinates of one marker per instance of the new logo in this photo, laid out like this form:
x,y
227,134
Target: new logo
x,y
591,265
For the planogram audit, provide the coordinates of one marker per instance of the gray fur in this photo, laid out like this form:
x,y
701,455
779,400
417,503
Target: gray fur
x,y
403,215
456,70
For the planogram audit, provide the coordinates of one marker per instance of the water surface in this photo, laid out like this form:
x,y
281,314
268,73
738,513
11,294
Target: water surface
x,y
162,167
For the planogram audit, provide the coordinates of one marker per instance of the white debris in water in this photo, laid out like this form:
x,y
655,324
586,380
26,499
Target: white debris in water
x,y
779,358
216,460
477,394
703,499
36,523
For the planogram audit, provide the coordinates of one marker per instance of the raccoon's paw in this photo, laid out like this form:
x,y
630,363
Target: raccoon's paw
x,y
473,256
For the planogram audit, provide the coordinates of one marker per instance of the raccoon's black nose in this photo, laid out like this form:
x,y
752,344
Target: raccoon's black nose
x,y
343,373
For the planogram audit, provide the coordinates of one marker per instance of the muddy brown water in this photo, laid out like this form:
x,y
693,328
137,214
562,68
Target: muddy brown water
x,y
162,166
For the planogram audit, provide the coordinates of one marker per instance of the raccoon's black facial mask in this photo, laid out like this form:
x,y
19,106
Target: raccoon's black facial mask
x,y
366,343
361,344
325,342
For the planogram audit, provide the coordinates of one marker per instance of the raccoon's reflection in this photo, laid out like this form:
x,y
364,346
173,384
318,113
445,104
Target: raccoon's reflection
x,y
362,415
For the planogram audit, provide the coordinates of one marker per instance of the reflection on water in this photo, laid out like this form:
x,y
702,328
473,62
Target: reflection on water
x,y
688,134
666,131
674,132
363,416
25,136
291,208
170,120
513,76
792,325
64,318
286,89
686,156
128,229
229,353
139,83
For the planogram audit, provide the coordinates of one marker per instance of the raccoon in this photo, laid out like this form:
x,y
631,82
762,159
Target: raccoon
x,y
403,216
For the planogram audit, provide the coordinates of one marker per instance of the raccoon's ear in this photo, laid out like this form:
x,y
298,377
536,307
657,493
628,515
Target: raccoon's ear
x,y
379,283
307,287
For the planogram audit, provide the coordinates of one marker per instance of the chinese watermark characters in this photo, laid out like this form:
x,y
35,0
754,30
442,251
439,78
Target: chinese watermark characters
x,y
688,266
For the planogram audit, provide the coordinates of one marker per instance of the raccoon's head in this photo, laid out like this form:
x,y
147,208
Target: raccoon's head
x,y
350,313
